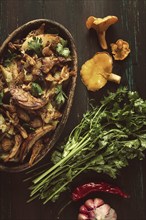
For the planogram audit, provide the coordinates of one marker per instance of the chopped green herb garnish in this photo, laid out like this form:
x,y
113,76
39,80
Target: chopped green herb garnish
x,y
59,48
63,51
9,58
36,45
63,42
36,90
60,95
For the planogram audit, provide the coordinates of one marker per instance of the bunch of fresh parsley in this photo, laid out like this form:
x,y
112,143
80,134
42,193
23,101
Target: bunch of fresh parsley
x,y
106,138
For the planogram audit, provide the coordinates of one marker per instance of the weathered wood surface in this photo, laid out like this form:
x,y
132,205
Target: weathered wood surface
x,y
72,14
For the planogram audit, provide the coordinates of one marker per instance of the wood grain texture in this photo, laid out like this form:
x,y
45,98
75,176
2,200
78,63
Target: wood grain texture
x,y
73,14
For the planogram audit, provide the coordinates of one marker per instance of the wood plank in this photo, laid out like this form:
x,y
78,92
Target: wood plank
x,y
73,14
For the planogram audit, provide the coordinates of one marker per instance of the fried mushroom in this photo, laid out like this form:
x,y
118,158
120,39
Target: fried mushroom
x,y
49,113
26,100
36,123
38,146
47,51
15,149
48,63
32,138
6,144
23,115
30,72
8,76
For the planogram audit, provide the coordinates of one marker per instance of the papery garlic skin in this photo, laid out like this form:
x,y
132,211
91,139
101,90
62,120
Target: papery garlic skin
x,y
96,209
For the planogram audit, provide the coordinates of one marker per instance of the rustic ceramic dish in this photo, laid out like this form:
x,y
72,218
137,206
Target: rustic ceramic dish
x,y
52,28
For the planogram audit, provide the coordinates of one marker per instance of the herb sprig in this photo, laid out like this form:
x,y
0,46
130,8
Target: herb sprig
x,y
36,45
10,57
36,89
60,95
106,138
62,48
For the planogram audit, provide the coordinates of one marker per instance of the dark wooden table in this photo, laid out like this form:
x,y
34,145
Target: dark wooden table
x,y
73,14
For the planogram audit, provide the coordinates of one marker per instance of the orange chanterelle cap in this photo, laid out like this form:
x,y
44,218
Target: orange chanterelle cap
x,y
120,49
101,25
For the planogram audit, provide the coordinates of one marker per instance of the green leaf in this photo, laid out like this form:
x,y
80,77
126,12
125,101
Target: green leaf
x,y
104,141
65,52
36,45
142,139
60,95
56,157
1,97
63,42
62,50
9,58
59,48
36,90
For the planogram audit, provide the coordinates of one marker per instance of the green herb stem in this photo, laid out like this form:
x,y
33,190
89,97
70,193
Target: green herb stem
x,y
106,138
61,162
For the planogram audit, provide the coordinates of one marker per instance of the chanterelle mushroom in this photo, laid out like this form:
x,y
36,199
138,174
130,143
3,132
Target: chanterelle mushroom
x,y
101,25
97,71
120,49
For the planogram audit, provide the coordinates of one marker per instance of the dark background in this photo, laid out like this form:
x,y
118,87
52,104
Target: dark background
x,y
73,14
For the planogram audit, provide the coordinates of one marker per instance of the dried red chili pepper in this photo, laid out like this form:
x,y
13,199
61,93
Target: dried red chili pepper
x,y
85,189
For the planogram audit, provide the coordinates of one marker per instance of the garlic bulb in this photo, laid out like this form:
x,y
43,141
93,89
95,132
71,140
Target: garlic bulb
x,y
96,209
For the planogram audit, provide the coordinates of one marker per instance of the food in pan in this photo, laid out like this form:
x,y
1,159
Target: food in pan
x,y
34,74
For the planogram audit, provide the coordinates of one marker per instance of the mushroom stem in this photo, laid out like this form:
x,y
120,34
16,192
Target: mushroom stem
x,y
102,40
114,78
101,25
